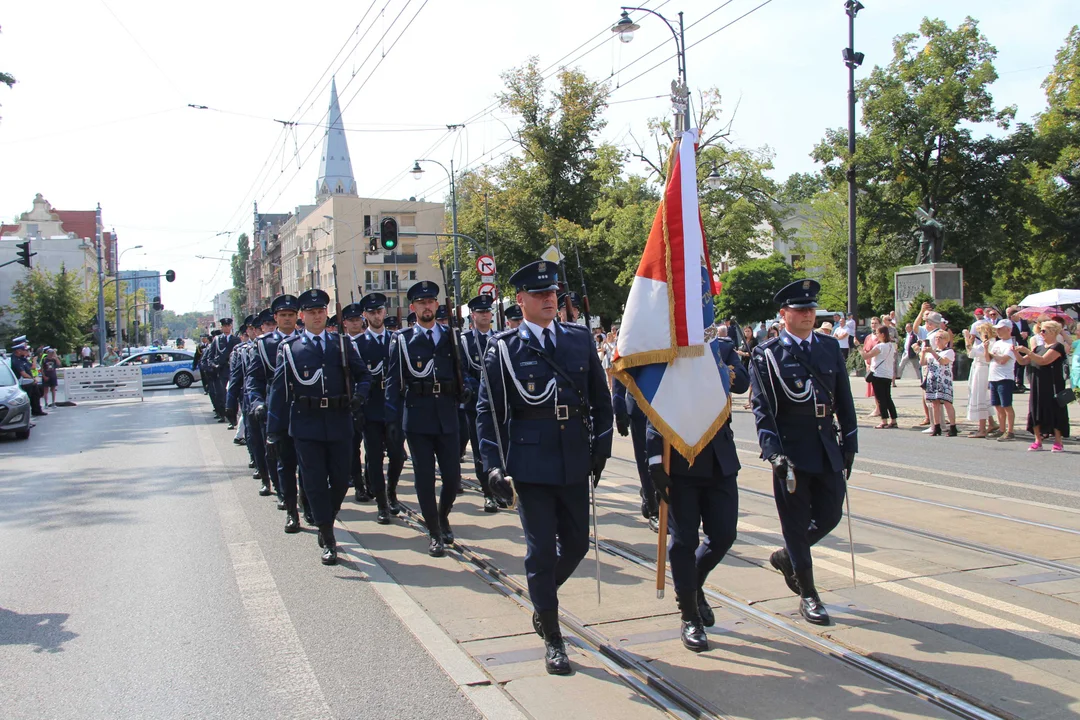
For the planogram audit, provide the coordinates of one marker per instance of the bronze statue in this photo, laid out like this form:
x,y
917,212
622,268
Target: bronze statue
x,y
931,233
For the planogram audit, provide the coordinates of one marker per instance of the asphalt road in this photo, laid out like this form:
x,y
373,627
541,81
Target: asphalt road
x,y
141,576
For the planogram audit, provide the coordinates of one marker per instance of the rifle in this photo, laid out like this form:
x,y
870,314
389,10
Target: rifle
x,y
455,337
584,291
341,339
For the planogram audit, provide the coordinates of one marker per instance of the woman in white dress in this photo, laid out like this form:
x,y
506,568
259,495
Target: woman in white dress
x,y
978,349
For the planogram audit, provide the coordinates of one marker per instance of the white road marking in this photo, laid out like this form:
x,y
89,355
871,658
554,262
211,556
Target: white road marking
x,y
293,682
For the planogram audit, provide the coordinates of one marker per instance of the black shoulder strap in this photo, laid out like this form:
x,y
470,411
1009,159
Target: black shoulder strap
x,y
814,374
582,398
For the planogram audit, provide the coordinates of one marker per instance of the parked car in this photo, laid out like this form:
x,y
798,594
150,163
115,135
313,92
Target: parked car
x,y
14,405
165,367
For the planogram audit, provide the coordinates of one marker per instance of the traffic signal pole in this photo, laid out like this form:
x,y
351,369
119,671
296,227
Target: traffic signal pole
x,y
101,287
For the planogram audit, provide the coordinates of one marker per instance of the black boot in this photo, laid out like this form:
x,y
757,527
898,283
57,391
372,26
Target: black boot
x,y
952,431
555,660
693,632
329,556
810,606
782,562
708,618
937,431
292,522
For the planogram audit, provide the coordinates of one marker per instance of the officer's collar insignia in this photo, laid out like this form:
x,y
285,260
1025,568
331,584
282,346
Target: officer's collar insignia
x,y
786,341
523,332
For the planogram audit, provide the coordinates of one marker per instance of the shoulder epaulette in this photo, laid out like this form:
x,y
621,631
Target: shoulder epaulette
x,y
504,333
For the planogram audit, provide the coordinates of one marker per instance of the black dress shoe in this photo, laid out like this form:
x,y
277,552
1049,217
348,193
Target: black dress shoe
x,y
555,660
308,517
329,556
221,419
256,475
232,426
708,618
383,518
502,503
693,635
436,547
363,496
292,524
251,464
654,524
447,533
396,508
810,606
490,506
782,562
281,504
265,490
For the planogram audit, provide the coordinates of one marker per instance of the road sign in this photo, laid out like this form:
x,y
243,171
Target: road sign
x,y
488,289
552,254
485,265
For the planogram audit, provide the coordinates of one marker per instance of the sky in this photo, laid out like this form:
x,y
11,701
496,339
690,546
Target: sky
x,y
100,109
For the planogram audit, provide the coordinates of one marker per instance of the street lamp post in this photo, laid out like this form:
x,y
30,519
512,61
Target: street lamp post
x,y
117,269
417,173
680,91
101,285
852,60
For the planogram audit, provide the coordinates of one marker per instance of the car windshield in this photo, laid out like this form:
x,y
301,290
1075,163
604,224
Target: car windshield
x,y
7,377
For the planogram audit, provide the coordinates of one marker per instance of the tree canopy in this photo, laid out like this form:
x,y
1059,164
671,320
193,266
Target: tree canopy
x,y
53,309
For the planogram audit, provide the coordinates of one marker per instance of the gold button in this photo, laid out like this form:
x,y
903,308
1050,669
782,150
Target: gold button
x,y
562,427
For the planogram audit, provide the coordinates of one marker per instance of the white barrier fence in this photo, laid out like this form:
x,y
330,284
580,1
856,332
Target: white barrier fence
x,y
103,383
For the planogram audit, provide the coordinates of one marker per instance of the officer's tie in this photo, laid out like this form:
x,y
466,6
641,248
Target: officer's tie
x,y
805,346
317,339
549,342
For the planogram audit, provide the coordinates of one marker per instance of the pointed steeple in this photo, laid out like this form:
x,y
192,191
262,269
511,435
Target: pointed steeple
x,y
335,170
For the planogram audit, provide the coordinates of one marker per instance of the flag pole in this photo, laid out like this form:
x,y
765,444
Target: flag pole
x,y
661,538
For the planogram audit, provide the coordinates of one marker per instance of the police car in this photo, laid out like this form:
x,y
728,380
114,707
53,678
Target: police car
x,y
164,367
14,405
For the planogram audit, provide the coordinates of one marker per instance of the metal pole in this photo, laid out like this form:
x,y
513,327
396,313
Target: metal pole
x,y
453,221
852,259
101,288
118,335
682,72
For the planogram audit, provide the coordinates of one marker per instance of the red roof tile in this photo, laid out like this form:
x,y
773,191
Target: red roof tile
x,y
5,229
81,222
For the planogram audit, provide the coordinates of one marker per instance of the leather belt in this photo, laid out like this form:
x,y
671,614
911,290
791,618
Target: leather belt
x,y
547,412
818,410
423,388
322,403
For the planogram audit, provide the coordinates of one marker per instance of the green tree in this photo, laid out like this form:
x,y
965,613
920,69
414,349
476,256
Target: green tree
x,y
238,265
748,289
53,309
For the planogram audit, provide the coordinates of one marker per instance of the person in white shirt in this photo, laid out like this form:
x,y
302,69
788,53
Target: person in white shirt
x,y
977,342
882,360
87,359
1001,378
840,332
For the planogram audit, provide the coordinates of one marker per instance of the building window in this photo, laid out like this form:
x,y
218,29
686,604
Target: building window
x,y
367,226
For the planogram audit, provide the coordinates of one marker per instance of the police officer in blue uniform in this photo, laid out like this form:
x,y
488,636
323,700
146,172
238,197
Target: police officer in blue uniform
x,y
235,401
569,307
255,426
474,343
373,346
281,455
311,400
422,403
630,420
807,430
704,493
23,368
352,322
217,364
391,323
513,317
544,419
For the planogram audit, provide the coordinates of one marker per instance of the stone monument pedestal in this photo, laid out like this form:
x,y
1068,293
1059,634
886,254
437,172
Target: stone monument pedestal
x,y
943,281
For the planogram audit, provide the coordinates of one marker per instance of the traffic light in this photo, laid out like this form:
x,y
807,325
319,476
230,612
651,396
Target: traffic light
x,y
157,303
24,253
388,233
373,246
170,276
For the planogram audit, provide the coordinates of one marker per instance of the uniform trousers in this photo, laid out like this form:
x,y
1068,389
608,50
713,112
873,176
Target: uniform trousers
x,y
555,520
256,444
810,513
270,467
324,475
711,503
218,387
425,450
376,447
641,459
287,470
356,465
478,464
463,437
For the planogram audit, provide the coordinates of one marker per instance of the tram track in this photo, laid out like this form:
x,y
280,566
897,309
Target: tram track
x,y
947,699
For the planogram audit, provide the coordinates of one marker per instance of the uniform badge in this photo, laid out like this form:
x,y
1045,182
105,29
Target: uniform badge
x,y
307,373
541,267
799,384
805,284
531,387
419,365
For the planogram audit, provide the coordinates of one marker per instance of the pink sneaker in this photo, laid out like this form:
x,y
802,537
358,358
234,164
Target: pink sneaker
x,y
1035,446
1058,447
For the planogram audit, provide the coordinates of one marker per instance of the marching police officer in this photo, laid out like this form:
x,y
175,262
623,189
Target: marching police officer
x,y
280,456
704,493
630,420
311,401
544,419
800,385
235,400
352,319
391,323
442,317
513,317
569,307
217,363
254,425
474,343
422,403
374,348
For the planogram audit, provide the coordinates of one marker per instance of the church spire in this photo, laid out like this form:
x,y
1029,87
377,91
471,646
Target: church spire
x,y
335,170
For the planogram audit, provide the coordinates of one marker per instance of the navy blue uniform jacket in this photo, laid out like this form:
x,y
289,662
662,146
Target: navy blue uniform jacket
x,y
377,359
416,410
262,362
721,450
545,450
316,374
792,428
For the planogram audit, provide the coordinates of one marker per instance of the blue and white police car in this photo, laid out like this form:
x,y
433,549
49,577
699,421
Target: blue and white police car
x,y
167,366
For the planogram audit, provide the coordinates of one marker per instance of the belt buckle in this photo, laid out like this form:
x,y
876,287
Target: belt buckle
x,y
324,402
562,412
819,410
436,388
382,383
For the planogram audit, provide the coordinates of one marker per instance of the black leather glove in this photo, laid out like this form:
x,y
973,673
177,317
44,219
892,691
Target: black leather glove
x,y
466,395
780,463
501,487
272,445
849,460
661,481
356,403
260,412
622,422
596,467
393,433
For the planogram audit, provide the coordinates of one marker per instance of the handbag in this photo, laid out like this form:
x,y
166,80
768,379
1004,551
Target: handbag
x,y
869,376
1064,397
